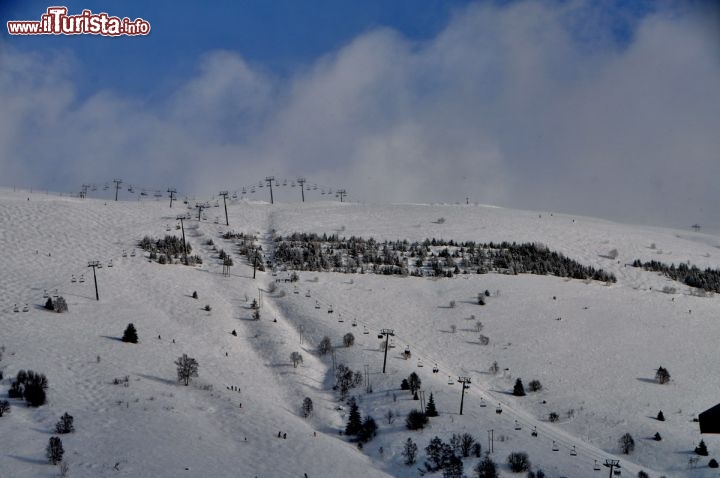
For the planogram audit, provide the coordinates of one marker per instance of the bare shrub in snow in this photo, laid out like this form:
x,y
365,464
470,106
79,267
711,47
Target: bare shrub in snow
x,y
187,367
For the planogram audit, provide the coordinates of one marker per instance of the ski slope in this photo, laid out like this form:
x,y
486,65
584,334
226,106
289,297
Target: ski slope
x,y
597,360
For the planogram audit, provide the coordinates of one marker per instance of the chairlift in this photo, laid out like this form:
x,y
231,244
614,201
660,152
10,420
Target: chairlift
x,y
330,309
340,318
391,344
15,308
26,308
420,364
131,190
317,304
573,452
307,294
124,254
555,446
596,466
99,266
381,336
517,425
295,290
82,278
482,402
450,380
365,331
534,432
354,323
110,264
407,353
498,410
617,472
73,279
435,369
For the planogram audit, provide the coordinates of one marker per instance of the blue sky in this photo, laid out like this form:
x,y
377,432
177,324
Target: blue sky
x,y
602,108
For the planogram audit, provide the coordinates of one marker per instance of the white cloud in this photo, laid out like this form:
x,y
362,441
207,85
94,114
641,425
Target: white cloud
x,y
504,106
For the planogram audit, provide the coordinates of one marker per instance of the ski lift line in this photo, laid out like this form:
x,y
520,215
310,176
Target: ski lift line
x,y
527,425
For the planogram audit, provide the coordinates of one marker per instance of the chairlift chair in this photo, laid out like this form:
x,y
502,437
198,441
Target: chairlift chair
x,y
73,279
482,402
330,310
517,425
340,318
177,227
617,472
450,380
435,369
110,264
45,294
124,254
243,191
277,184
292,184
392,343
132,254
26,308
314,187
365,331
307,294
167,228
573,452
534,432
317,304
284,182
381,336
498,410
217,220
555,447
354,323
420,364
407,353
252,190
82,278
260,184
234,195
15,308
295,290
99,266
596,466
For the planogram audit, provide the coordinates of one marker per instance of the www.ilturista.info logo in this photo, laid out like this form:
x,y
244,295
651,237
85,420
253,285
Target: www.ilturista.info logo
x,y
57,22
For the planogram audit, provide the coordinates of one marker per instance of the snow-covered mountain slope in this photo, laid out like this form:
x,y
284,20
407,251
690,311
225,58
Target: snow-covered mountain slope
x,y
598,360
